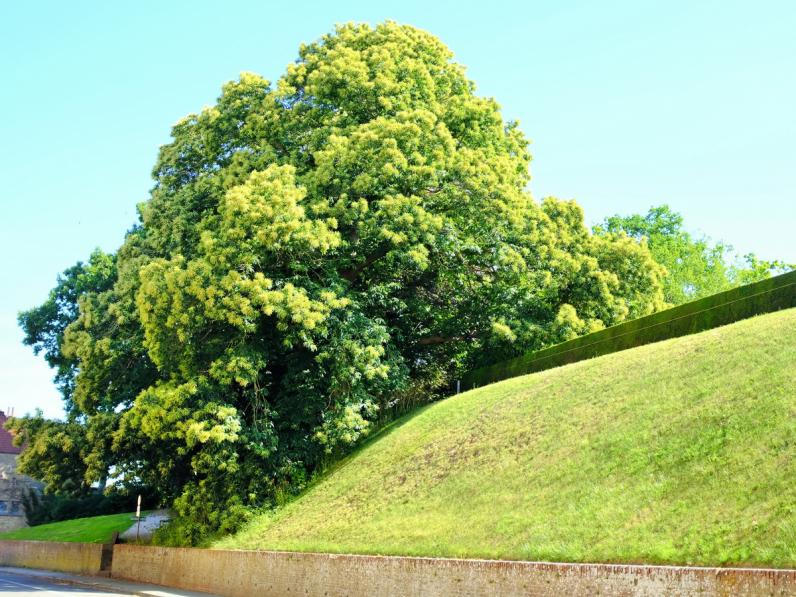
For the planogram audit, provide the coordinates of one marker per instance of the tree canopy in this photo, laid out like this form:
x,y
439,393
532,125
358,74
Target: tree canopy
x,y
695,266
315,254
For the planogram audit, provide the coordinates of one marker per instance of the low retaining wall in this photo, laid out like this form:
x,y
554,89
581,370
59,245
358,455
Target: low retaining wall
x,y
710,312
267,573
77,558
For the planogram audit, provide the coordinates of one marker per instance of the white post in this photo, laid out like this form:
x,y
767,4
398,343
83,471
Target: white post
x,y
138,516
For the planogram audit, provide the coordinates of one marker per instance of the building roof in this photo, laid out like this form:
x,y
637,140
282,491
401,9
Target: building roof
x,y
7,438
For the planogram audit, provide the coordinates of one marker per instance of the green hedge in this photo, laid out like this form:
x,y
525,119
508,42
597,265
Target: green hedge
x,y
713,311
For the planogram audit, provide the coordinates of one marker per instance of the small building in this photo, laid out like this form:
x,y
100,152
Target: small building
x,y
12,485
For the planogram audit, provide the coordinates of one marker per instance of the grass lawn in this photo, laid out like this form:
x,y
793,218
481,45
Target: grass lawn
x,y
678,452
96,529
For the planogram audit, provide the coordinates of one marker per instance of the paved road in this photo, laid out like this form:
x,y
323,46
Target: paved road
x,y
17,584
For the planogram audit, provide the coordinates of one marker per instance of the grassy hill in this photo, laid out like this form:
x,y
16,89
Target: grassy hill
x,y
678,452
95,529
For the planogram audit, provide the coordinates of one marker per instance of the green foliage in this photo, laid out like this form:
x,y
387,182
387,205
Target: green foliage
x,y
679,452
764,296
695,267
44,326
752,269
54,453
313,255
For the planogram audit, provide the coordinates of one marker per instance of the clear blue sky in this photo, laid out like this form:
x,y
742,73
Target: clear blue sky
x,y
628,104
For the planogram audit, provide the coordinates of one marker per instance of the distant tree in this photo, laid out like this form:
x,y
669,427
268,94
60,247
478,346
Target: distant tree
x,y
696,266
752,269
315,253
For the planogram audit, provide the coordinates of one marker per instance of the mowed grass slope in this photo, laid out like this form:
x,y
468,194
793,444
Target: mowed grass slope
x,y
678,452
94,529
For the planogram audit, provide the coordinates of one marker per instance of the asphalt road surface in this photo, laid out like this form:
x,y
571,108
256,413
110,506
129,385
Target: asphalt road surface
x,y
16,584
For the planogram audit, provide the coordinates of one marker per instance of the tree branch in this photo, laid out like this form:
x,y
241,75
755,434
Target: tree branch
x,y
434,340
352,274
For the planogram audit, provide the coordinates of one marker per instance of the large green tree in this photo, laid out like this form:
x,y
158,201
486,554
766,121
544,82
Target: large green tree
x,y
322,251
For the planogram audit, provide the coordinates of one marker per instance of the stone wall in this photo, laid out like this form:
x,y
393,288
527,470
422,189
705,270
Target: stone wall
x,y
11,523
246,573
78,558
12,487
